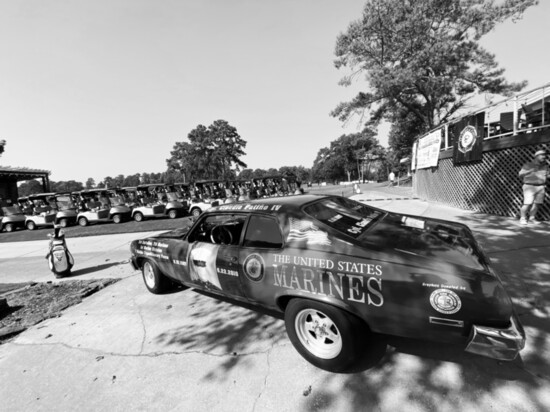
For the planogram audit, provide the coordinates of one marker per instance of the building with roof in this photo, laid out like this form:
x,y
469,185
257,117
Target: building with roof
x,y
10,176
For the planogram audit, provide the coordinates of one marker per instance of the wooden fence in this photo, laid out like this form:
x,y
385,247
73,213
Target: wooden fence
x,y
491,185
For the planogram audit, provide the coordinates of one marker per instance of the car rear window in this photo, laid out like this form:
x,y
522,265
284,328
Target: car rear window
x,y
345,215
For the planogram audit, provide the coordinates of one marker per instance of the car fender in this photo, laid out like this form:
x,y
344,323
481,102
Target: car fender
x,y
282,299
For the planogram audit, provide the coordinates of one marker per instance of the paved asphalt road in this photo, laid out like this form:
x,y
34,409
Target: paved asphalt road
x,y
125,349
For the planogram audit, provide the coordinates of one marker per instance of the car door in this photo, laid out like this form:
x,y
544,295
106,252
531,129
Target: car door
x,y
261,246
213,255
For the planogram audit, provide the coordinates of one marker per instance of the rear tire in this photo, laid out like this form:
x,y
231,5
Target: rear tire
x,y
138,216
83,221
155,282
324,335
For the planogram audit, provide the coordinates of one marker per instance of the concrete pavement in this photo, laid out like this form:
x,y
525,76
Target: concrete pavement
x,y
126,349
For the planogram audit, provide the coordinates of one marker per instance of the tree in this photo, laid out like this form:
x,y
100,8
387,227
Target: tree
x,y
211,153
90,183
30,187
228,147
302,174
66,186
132,180
343,159
422,58
246,174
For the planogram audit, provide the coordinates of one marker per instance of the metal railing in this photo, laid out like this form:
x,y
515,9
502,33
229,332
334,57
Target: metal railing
x,y
525,112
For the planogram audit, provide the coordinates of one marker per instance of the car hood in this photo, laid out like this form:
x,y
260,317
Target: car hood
x,y
174,234
427,238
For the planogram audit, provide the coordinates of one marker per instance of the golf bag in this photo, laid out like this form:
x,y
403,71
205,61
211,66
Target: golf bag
x,y
59,258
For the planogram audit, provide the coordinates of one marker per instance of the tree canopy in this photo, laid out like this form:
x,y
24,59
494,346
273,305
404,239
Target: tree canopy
x,y
422,59
211,153
343,159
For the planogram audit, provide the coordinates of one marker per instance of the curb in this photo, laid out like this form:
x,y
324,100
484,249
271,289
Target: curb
x,y
389,198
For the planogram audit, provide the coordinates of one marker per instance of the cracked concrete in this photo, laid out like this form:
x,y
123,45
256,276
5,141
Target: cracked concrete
x,y
126,349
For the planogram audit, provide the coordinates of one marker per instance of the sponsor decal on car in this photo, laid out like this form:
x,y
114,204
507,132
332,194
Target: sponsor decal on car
x,y
254,267
445,301
234,206
350,281
153,249
304,230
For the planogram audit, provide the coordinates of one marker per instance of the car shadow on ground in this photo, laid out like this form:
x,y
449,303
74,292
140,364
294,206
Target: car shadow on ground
x,y
240,326
96,268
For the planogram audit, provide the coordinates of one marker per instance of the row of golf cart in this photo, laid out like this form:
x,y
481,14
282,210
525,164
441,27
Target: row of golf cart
x,y
98,205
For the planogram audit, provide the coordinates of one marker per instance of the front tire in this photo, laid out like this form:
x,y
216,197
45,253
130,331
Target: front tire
x,y
31,225
83,221
196,212
155,282
117,219
324,335
63,223
138,216
9,227
172,214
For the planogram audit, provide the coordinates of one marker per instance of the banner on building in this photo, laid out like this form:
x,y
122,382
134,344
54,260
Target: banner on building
x,y
427,152
468,138
413,155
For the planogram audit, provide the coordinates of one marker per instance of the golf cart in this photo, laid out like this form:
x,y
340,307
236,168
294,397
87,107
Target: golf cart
x,y
11,217
204,195
93,207
40,210
120,211
152,201
66,209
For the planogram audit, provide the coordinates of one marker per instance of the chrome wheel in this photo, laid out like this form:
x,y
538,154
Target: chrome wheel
x,y
318,333
149,275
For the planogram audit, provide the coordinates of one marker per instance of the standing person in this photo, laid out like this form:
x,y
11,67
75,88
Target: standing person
x,y
391,178
534,175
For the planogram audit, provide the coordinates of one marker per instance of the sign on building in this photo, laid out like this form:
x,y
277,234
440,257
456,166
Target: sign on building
x,y
427,152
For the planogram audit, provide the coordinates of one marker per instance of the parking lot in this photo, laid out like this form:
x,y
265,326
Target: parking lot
x,y
126,349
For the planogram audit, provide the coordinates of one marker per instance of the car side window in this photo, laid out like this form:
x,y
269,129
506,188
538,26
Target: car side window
x,y
263,232
219,229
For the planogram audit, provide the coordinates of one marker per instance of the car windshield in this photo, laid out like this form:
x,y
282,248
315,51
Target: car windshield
x,y
345,215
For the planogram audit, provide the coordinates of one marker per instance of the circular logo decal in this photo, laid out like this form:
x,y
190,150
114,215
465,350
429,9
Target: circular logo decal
x,y
445,301
254,267
467,139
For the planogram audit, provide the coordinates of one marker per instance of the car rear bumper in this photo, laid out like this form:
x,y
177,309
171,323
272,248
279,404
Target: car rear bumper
x,y
497,343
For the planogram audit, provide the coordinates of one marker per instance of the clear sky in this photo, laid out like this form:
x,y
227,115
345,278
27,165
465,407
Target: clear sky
x,y
96,88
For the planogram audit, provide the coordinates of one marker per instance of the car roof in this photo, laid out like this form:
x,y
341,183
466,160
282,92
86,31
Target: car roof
x,y
292,203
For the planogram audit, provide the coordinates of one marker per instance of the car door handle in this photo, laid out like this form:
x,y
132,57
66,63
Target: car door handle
x,y
231,259
199,263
